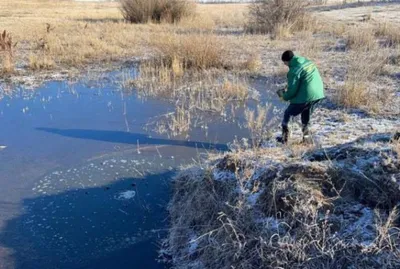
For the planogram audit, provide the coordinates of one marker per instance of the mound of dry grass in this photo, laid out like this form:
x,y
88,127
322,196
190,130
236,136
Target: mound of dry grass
x,y
333,211
280,18
144,11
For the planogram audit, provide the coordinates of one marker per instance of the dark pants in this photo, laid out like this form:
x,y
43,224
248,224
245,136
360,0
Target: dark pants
x,y
305,110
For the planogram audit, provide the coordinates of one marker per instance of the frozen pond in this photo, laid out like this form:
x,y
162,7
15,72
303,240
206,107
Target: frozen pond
x,y
83,184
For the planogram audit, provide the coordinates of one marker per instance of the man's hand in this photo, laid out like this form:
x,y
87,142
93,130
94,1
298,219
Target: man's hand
x,y
280,93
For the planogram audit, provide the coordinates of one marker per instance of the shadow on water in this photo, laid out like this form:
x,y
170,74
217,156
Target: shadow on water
x,y
112,226
130,138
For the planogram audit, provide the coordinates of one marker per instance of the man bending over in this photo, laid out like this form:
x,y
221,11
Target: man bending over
x,y
305,89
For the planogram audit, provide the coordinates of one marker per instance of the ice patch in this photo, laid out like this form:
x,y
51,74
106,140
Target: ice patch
x,y
252,198
126,195
193,244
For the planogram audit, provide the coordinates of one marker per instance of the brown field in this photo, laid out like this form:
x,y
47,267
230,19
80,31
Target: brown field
x,y
73,33
60,35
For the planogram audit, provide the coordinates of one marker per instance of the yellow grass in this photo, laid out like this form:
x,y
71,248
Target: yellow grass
x,y
201,51
356,91
224,15
75,33
361,38
7,51
389,32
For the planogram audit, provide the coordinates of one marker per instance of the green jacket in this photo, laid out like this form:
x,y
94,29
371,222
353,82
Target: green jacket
x,y
304,82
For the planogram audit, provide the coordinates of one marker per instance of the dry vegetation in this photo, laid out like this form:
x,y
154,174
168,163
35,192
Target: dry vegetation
x,y
7,50
243,211
280,18
171,11
182,40
98,33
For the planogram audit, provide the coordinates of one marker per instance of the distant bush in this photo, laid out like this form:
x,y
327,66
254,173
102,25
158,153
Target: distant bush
x,y
143,11
279,16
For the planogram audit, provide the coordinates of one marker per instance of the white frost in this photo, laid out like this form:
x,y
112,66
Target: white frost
x,y
126,195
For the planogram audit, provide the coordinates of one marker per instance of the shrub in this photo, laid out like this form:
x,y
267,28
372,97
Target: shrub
x,y
278,16
143,11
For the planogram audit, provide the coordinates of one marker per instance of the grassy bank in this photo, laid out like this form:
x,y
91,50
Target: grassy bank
x,y
334,206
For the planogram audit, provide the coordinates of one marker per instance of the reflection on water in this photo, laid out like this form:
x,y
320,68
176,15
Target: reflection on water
x,y
84,185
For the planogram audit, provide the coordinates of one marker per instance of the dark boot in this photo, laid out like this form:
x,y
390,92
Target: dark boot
x,y
285,135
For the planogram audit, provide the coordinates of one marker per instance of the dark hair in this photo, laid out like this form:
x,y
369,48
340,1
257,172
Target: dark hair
x,y
287,56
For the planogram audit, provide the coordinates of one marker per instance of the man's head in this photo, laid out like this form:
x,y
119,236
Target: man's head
x,y
287,56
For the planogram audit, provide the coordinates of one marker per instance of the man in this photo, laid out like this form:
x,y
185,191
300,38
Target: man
x,y
305,89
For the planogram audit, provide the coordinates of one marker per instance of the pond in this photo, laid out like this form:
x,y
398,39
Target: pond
x,y
84,183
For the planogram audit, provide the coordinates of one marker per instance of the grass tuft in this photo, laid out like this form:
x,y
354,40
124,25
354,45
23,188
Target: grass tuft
x,y
144,11
7,49
390,33
362,69
361,38
199,51
40,62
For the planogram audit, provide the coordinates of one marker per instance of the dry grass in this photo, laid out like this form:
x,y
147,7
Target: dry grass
x,y
201,51
95,32
389,32
309,46
40,62
356,91
361,38
280,18
193,91
224,15
253,63
193,99
203,89
7,50
144,11
256,123
242,211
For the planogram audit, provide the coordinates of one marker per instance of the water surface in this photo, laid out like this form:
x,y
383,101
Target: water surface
x,y
83,185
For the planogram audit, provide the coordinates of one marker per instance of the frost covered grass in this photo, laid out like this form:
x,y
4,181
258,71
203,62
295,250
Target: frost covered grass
x,y
334,206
